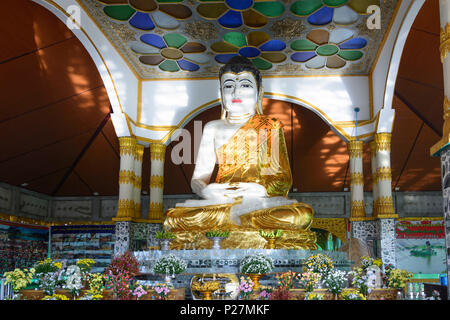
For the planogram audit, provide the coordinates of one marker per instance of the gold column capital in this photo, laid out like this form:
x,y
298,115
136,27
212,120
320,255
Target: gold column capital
x,y
357,209
355,148
383,141
155,211
125,209
127,145
139,152
157,151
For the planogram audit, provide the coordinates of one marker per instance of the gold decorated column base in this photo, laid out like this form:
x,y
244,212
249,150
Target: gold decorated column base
x,y
242,238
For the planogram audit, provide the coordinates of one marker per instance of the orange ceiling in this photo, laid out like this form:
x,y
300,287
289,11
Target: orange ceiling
x,y
61,142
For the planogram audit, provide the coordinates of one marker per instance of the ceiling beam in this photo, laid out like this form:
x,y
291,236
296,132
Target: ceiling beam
x,y
417,113
82,153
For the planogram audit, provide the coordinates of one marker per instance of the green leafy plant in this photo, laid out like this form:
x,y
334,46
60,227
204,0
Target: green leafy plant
x,y
165,235
257,264
217,233
271,234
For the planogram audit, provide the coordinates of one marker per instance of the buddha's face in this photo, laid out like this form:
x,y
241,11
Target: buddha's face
x,y
239,92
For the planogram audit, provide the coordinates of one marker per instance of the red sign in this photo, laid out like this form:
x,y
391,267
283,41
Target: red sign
x,y
421,229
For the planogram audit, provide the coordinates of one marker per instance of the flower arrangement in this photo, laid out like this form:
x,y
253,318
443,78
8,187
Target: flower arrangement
x,y
309,280
126,262
165,235
138,292
368,261
169,264
313,296
48,282
286,279
19,279
217,233
55,297
360,280
89,296
335,281
73,280
96,282
319,263
266,294
352,294
271,234
47,266
398,278
162,289
245,287
256,264
85,265
119,283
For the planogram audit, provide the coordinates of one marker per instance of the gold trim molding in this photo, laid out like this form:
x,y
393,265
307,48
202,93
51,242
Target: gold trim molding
x,y
357,209
385,208
444,46
157,151
127,177
139,152
127,145
383,173
157,182
355,148
356,178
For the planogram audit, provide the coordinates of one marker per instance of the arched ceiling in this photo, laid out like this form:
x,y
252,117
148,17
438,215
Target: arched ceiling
x,y
59,140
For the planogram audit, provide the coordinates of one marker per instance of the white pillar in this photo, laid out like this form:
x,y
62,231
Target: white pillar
x,y
157,157
138,155
384,203
126,207
373,165
357,210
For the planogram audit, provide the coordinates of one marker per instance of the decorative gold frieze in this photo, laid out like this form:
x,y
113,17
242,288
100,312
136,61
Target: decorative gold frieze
x,y
137,182
155,211
127,145
157,182
126,177
374,178
357,209
288,28
373,148
337,226
157,151
383,141
357,178
383,173
445,41
201,30
355,148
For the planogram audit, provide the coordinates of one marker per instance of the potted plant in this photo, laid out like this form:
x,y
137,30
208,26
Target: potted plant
x,y
398,278
256,266
309,281
19,279
319,263
246,287
335,281
216,236
85,266
271,237
286,280
73,281
169,265
119,275
47,272
165,237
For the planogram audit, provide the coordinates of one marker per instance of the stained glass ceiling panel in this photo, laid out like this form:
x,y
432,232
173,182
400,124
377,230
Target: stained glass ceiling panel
x,y
194,38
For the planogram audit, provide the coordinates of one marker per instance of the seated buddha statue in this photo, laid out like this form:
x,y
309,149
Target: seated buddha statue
x,y
253,179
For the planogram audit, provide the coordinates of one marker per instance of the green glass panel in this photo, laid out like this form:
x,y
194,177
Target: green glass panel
x,y
169,65
303,45
122,13
350,55
327,50
174,40
334,3
269,9
305,7
261,64
236,38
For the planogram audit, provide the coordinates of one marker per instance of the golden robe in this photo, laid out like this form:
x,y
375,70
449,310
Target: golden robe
x,y
255,153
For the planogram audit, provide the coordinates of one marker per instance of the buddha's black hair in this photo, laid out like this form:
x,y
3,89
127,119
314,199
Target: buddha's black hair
x,y
239,64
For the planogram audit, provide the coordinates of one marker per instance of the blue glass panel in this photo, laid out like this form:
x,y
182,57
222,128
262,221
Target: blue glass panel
x,y
153,40
356,43
321,17
273,45
231,19
249,52
239,4
142,21
302,56
224,58
187,65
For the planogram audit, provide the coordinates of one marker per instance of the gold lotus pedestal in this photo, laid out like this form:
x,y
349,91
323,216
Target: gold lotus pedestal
x,y
255,278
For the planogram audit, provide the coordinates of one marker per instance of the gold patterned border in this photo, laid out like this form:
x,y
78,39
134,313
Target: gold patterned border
x,y
383,141
337,226
357,209
383,173
157,182
356,178
444,41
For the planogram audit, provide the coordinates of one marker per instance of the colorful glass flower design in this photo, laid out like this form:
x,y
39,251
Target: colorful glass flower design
x,y
321,48
257,46
322,12
171,52
234,13
145,14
